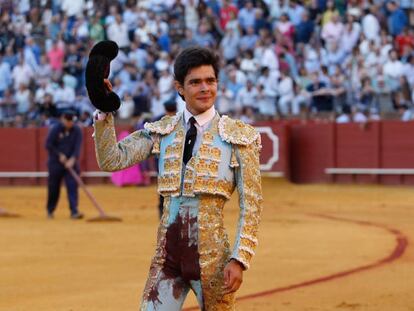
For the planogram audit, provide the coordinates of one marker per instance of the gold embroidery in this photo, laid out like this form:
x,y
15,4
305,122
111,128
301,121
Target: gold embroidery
x,y
156,146
172,166
252,201
164,126
206,184
179,135
237,132
159,257
208,138
112,155
209,153
173,151
214,253
233,160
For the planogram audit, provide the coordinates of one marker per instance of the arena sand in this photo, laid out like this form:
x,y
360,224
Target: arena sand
x,y
66,265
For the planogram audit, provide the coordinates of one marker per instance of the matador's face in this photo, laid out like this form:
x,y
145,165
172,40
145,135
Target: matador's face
x,y
199,89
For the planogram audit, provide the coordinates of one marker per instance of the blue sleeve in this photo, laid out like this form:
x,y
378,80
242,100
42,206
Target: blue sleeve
x,y
77,143
51,139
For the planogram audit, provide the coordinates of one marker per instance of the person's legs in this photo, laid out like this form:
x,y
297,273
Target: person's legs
x,y
53,188
72,190
166,294
198,292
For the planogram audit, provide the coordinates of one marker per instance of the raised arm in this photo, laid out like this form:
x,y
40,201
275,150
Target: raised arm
x,y
112,155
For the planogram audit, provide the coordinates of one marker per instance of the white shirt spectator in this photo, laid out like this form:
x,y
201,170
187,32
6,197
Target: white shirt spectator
x,y
332,31
64,96
142,32
73,7
295,14
247,16
118,32
371,27
166,85
270,83
126,109
5,76
157,105
286,94
343,118
230,45
359,117
394,69
22,97
247,96
130,18
225,100
22,74
265,102
349,38
139,57
191,15
408,71
269,59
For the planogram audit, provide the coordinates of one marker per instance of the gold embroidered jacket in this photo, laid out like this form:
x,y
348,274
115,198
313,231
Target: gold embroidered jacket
x,y
228,157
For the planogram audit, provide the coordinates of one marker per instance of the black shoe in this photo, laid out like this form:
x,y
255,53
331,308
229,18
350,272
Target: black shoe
x,y
76,216
50,216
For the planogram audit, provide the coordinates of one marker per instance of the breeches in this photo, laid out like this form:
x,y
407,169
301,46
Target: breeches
x,y
175,269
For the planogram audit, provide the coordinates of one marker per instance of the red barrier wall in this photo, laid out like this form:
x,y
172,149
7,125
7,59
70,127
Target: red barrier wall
x,y
397,150
300,152
311,151
357,146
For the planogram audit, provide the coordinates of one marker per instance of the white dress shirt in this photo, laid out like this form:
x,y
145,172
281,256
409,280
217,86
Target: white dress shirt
x,y
203,121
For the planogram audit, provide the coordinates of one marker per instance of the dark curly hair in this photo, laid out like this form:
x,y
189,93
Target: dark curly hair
x,y
193,57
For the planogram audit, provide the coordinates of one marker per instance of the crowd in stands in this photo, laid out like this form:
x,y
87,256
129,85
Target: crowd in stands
x,y
343,60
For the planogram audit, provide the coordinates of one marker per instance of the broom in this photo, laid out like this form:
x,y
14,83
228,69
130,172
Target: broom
x,y
102,217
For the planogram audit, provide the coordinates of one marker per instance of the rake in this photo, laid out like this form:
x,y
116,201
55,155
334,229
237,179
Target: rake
x,y
102,217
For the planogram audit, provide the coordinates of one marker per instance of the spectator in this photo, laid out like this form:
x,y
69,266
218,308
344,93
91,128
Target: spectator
x,y
321,99
295,12
22,74
247,97
304,30
56,56
118,32
393,68
285,95
247,16
5,76
285,27
370,25
397,19
333,30
191,16
226,11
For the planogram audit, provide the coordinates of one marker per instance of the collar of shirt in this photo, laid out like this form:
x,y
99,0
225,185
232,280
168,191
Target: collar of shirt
x,y
202,118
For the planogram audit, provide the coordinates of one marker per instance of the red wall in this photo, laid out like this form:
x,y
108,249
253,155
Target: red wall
x,y
311,151
304,151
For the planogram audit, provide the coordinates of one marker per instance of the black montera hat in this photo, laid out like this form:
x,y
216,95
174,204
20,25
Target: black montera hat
x,y
97,69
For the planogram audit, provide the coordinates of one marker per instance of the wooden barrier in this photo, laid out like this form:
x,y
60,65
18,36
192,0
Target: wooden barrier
x,y
376,152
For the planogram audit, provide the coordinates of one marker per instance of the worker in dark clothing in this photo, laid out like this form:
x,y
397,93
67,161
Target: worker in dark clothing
x,y
63,144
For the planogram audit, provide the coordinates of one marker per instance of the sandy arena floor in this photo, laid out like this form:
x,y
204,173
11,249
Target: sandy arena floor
x,y
314,255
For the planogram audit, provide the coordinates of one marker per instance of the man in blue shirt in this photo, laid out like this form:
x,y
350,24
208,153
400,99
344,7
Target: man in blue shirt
x,y
63,144
397,19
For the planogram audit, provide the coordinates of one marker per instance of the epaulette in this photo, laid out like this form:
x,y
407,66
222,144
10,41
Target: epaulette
x,y
237,132
164,126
